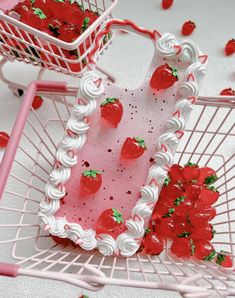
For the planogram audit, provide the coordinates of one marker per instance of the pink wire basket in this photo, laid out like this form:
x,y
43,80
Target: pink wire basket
x,y
20,42
27,162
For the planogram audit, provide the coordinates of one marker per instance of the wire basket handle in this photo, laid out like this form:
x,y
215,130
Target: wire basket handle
x,y
18,128
118,24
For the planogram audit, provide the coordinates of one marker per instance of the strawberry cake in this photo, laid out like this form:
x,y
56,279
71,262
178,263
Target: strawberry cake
x,y
118,147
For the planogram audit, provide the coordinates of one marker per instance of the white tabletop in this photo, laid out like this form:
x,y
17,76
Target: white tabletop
x,y
128,59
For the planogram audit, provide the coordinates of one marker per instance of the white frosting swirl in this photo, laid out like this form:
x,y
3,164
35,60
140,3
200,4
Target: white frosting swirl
x,y
174,124
65,159
165,45
60,175
185,107
163,158
157,173
106,245
73,143
89,240
135,227
198,70
168,139
81,110
88,88
76,126
54,193
141,209
51,208
126,244
148,193
76,232
190,52
188,89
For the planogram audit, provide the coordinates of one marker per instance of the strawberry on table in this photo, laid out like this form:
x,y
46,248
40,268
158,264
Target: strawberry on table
x,y
152,244
228,91
224,260
191,171
209,195
133,148
207,176
37,102
188,28
164,77
167,4
110,222
112,110
4,139
91,181
230,47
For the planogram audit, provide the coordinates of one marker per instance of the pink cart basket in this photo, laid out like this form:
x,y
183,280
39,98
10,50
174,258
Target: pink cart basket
x,y
46,51
27,162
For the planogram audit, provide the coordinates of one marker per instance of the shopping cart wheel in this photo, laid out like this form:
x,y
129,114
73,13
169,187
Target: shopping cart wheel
x,y
16,91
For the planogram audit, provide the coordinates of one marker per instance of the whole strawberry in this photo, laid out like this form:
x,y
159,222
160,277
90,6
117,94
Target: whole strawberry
x,y
90,181
4,139
191,172
167,4
207,176
68,33
112,111
153,245
228,91
224,260
209,195
133,148
110,222
44,5
164,77
230,47
188,28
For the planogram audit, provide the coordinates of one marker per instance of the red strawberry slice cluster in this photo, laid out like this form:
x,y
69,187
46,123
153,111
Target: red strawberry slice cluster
x,y
230,47
63,19
110,222
188,28
90,181
112,111
183,213
164,77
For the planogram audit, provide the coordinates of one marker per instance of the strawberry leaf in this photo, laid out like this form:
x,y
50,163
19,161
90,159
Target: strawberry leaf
x,y
38,12
32,1
108,100
220,259
85,24
194,180
141,142
190,164
179,200
213,232
211,179
117,216
147,231
211,256
170,212
212,188
184,234
167,181
192,247
175,73
91,173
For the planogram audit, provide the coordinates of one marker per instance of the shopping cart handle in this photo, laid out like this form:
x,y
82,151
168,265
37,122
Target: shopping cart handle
x,y
9,270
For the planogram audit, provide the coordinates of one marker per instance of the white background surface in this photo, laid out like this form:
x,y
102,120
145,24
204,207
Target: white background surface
x,y
215,25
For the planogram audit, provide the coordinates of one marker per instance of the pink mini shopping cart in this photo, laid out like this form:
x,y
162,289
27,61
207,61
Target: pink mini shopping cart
x,y
20,42
28,160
